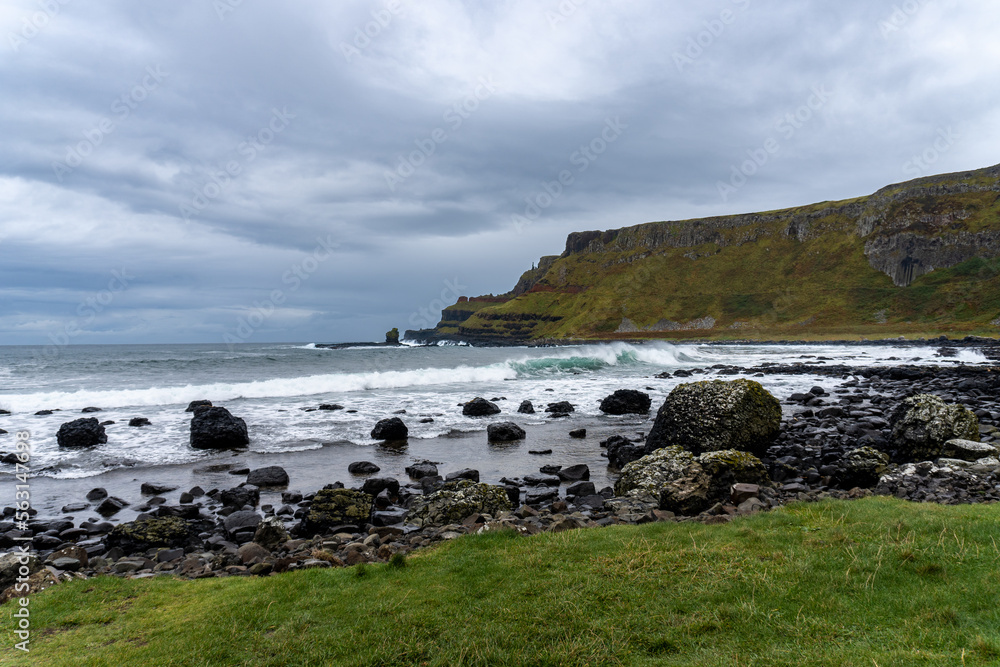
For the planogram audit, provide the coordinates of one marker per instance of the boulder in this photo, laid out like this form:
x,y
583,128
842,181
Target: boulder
x,y
83,432
90,409
505,432
626,402
244,521
526,408
464,473
578,433
622,450
678,481
362,468
270,533
861,467
480,407
138,421
138,536
11,567
561,407
967,450
268,476
111,505
194,405
455,501
421,470
335,507
922,424
154,489
217,428
716,415
240,496
574,473
376,485
392,428
98,493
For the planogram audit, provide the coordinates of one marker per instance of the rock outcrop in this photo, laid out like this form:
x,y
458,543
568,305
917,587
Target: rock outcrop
x,y
922,424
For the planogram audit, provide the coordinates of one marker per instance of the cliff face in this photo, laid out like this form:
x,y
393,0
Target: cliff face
x,y
919,254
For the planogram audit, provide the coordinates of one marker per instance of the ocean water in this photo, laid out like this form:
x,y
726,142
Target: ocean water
x,y
272,385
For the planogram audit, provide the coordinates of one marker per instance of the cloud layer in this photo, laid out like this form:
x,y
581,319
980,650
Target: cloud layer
x,y
325,171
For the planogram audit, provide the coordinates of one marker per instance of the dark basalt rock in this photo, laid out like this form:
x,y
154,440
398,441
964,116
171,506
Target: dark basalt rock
x,y
526,408
240,496
90,409
626,401
153,489
505,432
392,428
422,469
561,407
480,407
373,486
622,450
138,421
362,468
217,428
578,433
110,506
84,432
465,473
268,476
194,405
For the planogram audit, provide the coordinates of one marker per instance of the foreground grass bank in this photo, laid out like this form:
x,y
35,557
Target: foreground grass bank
x,y
876,581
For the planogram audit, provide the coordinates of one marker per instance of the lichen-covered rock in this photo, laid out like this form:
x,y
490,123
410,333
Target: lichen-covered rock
x,y
625,402
336,507
678,481
861,468
456,500
270,533
922,424
717,415
137,536
17,564
967,450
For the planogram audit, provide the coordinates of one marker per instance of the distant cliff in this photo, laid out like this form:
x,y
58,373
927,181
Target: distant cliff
x,y
919,257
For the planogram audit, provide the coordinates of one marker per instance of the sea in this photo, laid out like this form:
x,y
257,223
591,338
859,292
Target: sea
x,y
276,388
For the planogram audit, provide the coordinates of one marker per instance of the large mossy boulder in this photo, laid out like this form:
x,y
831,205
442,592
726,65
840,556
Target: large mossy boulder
x,y
336,507
217,428
138,536
683,483
716,415
456,500
922,424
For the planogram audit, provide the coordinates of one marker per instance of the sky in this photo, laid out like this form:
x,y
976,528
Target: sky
x,y
225,171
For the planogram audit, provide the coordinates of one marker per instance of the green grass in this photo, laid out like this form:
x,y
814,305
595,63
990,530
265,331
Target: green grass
x,y
877,581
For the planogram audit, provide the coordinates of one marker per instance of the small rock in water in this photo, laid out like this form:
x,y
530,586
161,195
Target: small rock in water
x,y
540,452
480,407
526,408
392,428
153,489
138,421
268,476
422,469
330,406
362,468
578,433
505,432
91,409
97,494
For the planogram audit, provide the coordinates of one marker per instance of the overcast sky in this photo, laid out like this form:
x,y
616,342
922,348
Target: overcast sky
x,y
199,171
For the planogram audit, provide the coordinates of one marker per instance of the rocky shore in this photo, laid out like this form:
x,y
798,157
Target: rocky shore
x,y
720,446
